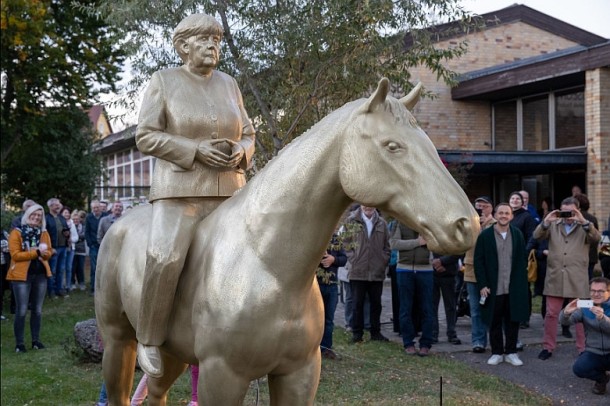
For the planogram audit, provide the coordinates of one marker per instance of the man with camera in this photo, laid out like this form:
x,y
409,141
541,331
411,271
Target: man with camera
x,y
570,236
594,315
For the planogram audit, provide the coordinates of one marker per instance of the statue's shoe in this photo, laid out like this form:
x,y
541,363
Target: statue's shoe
x,y
150,360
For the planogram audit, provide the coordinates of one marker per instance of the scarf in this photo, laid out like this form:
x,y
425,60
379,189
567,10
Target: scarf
x,y
30,236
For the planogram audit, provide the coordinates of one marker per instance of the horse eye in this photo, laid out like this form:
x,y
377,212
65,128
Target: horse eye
x,y
392,146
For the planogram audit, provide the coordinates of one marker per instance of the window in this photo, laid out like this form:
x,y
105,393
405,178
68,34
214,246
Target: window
x,y
570,119
536,124
128,176
544,122
505,129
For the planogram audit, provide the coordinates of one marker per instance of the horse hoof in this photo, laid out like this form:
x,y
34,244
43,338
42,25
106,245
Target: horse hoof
x,y
150,360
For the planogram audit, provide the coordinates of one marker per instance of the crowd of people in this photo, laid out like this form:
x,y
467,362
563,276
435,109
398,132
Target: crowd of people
x,y
566,241
44,254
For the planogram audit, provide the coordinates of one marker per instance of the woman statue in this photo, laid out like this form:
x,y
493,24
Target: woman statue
x,y
194,122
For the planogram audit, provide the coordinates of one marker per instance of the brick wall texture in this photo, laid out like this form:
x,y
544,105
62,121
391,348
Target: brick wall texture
x,y
467,125
597,130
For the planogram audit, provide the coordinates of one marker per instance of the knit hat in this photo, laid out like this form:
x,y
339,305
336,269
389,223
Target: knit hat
x,y
28,213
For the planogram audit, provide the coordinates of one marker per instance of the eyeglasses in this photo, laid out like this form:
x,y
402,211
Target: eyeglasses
x,y
598,292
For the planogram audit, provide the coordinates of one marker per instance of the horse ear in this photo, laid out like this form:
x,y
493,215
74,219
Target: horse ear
x,y
410,100
377,98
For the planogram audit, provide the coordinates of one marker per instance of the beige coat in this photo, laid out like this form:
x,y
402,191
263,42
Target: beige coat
x,y
568,260
469,275
181,109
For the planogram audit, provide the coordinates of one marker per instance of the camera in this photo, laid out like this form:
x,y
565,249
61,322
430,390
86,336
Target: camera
x,y
479,212
584,304
565,214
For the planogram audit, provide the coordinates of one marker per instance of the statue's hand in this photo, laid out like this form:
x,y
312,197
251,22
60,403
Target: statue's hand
x,y
208,154
237,153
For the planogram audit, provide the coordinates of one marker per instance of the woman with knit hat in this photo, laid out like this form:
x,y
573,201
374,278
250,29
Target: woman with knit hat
x,y
30,248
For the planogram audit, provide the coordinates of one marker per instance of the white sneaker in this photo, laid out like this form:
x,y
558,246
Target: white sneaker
x,y
513,359
495,359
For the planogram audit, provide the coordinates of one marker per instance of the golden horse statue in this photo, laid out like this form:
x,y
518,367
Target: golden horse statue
x,y
248,304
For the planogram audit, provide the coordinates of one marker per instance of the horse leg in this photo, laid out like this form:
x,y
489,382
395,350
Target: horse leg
x,y
298,387
118,363
158,387
220,385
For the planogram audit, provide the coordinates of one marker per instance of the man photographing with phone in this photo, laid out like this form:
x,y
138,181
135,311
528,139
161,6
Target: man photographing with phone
x,y
594,362
567,267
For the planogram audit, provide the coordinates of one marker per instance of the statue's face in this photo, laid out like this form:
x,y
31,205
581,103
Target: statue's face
x,y
203,51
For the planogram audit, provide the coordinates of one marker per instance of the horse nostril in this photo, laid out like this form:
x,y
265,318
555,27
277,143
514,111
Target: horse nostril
x,y
461,226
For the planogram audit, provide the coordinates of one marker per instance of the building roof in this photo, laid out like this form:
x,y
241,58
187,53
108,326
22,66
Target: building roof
x,y
117,141
516,13
95,112
522,162
541,73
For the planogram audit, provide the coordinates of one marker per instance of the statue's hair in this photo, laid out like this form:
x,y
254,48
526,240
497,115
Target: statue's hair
x,y
195,24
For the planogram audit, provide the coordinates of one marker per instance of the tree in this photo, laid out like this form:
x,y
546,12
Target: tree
x,y
52,54
58,162
296,60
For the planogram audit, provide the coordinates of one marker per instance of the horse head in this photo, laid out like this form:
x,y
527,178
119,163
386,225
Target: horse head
x,y
385,147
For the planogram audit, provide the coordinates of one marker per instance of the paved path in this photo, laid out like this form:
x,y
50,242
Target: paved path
x,y
552,378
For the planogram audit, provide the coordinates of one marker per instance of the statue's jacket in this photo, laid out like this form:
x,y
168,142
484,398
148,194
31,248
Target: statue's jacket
x,y
181,109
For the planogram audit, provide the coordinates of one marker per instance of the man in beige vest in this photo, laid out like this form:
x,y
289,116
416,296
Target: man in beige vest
x,y
194,122
484,206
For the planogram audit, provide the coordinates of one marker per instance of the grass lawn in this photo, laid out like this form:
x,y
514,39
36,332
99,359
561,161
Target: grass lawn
x,y
371,373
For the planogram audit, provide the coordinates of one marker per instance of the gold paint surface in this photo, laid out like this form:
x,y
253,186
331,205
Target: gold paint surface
x,y
247,302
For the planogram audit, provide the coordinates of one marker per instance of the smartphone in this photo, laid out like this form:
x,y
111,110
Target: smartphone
x,y
565,214
584,304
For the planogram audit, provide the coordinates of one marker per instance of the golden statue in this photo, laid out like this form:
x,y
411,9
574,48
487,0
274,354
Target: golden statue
x,y
193,120
247,302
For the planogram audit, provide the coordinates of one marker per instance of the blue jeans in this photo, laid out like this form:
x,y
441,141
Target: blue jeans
x,y
58,266
592,366
69,260
103,399
93,262
330,296
478,328
408,283
32,290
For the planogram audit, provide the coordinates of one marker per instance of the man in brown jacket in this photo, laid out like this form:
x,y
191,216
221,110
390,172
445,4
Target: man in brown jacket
x,y
570,236
367,263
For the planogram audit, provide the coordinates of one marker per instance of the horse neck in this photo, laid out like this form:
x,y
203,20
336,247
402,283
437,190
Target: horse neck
x,y
298,200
